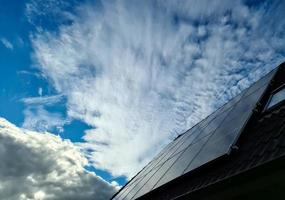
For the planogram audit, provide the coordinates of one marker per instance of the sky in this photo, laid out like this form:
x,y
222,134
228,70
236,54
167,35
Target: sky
x,y
91,91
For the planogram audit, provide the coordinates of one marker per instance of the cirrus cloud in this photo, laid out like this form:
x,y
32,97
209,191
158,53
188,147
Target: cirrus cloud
x,y
7,43
142,72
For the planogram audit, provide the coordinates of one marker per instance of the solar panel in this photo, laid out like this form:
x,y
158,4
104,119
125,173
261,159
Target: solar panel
x,y
210,139
182,162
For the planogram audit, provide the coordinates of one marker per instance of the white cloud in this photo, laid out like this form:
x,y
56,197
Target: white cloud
x,y
28,73
42,100
37,9
39,119
141,72
7,43
40,195
42,166
40,91
116,185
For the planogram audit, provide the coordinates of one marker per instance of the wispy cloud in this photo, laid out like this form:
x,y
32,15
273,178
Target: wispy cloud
x,y
37,116
43,166
144,71
39,119
40,91
28,73
42,100
7,43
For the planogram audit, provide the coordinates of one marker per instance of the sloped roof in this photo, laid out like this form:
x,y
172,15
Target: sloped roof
x,y
209,140
261,144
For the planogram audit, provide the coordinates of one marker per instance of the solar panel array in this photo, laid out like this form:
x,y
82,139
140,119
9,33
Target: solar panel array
x,y
210,139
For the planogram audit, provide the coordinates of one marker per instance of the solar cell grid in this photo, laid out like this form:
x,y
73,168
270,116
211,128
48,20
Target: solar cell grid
x,y
189,140
263,81
124,192
168,152
155,162
213,148
166,158
152,181
231,103
137,186
213,125
241,112
206,141
173,151
180,165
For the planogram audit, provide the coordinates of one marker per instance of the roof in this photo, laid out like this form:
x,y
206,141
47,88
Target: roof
x,y
262,143
212,139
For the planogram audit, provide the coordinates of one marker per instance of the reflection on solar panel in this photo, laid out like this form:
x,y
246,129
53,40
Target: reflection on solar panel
x,y
210,139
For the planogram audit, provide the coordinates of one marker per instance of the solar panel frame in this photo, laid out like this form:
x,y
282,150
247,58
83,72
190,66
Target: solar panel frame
x,y
157,175
194,148
196,143
265,83
173,150
210,151
138,186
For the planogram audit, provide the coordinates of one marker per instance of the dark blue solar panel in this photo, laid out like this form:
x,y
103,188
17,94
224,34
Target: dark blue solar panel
x,y
205,142
139,185
160,172
214,148
183,161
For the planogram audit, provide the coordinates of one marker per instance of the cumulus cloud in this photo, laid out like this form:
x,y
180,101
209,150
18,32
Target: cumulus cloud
x,y
141,72
42,166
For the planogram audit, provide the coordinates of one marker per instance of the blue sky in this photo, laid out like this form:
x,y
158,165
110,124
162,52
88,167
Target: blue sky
x,y
21,78
121,79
